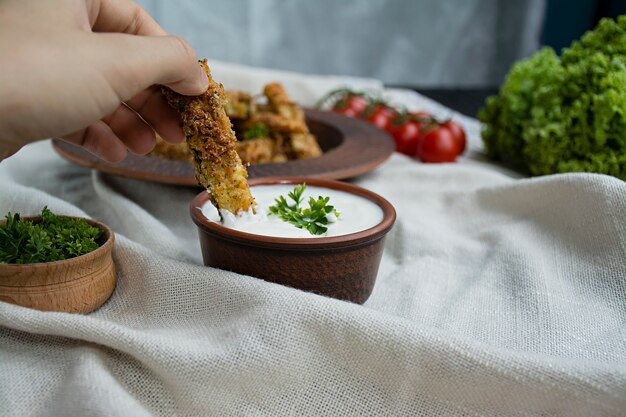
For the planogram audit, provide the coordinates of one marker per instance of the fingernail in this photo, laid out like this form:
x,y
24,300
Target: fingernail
x,y
204,78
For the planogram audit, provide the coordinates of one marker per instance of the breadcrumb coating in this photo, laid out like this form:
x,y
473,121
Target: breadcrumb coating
x,y
287,117
268,132
212,142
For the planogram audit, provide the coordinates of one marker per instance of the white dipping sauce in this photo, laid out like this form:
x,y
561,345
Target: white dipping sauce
x,y
355,213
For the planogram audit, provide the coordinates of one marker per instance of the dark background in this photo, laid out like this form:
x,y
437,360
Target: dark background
x,y
565,21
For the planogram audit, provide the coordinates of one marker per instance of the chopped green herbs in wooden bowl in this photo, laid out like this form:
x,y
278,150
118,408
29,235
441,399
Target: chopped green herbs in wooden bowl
x,y
53,238
56,263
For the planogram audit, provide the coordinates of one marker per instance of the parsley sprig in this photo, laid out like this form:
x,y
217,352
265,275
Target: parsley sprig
x,y
259,130
53,239
314,218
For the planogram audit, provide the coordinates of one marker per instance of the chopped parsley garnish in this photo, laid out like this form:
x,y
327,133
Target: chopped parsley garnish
x,y
53,239
314,218
259,130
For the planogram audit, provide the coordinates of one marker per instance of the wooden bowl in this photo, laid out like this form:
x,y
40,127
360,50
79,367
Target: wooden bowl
x,y
75,285
343,267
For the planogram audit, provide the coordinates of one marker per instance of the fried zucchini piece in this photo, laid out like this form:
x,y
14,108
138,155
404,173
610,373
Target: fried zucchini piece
x,y
280,103
277,123
240,105
289,118
276,94
257,150
175,151
304,145
213,144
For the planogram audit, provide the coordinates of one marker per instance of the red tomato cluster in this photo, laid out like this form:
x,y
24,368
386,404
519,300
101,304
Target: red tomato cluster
x,y
417,134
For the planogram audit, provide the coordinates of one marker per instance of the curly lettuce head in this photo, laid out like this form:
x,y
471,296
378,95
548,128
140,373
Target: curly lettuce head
x,y
564,114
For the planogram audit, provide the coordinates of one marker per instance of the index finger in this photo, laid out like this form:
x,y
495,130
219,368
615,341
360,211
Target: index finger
x,y
123,16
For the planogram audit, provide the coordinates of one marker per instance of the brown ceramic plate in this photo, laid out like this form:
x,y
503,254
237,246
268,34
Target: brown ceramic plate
x,y
351,148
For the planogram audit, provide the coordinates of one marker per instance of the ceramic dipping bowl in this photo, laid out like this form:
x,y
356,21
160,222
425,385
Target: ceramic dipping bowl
x,y
343,267
74,285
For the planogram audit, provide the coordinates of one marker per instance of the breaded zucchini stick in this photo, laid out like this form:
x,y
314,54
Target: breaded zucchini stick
x,y
281,104
289,118
213,144
277,123
240,105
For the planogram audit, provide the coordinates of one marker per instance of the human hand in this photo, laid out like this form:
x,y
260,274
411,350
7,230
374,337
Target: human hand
x,y
88,71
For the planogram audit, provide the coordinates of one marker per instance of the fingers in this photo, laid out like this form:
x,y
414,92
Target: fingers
x,y
110,137
134,55
100,140
134,132
123,16
133,63
153,108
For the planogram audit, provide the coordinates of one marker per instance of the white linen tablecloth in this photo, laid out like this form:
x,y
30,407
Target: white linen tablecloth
x,y
496,295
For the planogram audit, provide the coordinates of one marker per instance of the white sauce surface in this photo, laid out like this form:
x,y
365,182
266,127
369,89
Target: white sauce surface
x,y
355,213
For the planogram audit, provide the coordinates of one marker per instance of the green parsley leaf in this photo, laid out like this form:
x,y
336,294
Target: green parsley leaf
x,y
312,218
53,239
259,130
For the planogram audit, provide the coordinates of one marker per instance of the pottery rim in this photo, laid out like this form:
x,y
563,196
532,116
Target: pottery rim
x,y
317,243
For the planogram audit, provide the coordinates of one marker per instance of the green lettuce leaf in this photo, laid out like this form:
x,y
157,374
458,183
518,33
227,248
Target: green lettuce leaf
x,y
564,114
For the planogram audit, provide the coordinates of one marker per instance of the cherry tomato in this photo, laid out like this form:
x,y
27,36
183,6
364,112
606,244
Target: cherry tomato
x,y
457,133
357,103
406,137
421,117
351,106
382,116
437,145
347,111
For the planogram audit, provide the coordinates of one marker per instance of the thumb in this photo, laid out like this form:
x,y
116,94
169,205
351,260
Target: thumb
x,y
133,63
